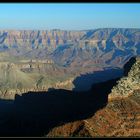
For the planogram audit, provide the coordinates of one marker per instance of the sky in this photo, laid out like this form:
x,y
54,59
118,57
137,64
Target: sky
x,y
69,16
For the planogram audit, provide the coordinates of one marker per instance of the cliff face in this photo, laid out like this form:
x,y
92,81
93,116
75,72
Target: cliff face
x,y
38,38
130,82
98,38
31,75
119,118
110,46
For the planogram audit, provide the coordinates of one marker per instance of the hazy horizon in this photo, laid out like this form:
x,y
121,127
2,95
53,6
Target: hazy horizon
x,y
70,16
14,29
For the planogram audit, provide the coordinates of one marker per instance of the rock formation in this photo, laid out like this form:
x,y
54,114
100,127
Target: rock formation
x,y
119,118
130,82
108,46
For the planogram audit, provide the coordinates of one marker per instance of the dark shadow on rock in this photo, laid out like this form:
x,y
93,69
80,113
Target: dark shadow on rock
x,y
36,113
85,82
128,65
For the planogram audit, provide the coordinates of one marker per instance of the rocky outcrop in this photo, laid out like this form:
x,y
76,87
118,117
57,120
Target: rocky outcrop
x,y
65,84
130,82
119,118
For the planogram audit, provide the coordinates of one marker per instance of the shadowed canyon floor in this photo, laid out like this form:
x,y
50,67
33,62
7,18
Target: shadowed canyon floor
x,y
36,113
65,113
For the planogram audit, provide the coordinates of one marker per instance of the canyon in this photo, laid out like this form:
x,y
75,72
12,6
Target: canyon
x,y
50,57
98,112
57,83
120,116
